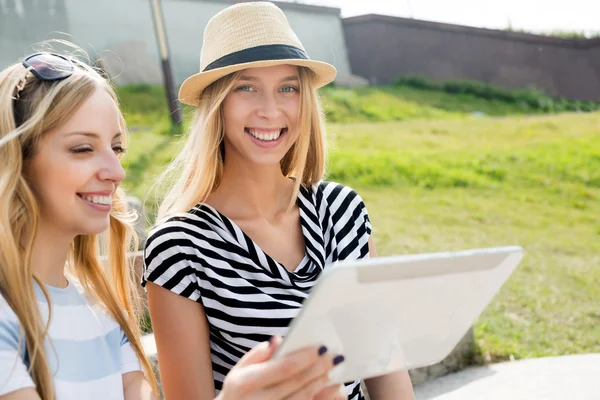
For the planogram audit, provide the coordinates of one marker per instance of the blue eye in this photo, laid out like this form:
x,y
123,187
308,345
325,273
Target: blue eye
x,y
288,89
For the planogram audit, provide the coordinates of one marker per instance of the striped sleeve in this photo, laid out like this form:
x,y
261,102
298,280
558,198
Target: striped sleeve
x,y
13,371
350,218
363,215
172,259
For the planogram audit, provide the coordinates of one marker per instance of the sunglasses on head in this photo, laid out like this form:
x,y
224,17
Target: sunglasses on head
x,y
46,67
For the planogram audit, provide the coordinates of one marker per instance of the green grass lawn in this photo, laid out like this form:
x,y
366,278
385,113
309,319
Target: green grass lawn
x,y
532,181
550,304
435,178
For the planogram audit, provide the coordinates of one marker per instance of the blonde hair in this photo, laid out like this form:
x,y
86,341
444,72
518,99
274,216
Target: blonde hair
x,y
198,167
41,107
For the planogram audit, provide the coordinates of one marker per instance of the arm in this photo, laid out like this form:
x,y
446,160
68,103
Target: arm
x,y
23,394
397,385
135,387
182,341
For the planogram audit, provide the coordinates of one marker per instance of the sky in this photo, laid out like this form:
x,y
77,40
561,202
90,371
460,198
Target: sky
x,y
530,15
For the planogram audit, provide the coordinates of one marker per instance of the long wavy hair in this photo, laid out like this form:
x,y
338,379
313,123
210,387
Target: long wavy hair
x,y
197,169
41,107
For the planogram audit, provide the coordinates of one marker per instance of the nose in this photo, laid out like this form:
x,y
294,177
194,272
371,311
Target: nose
x,y
112,170
269,107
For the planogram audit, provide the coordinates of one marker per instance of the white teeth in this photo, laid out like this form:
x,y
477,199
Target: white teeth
x,y
265,136
106,200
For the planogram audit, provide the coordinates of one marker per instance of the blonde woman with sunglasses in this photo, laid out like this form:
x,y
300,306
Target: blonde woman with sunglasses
x,y
68,324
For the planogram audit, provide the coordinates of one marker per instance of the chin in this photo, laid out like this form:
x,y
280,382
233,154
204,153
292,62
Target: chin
x,y
267,162
94,228
266,158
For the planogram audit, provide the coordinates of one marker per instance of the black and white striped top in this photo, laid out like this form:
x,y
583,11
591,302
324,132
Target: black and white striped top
x,y
248,296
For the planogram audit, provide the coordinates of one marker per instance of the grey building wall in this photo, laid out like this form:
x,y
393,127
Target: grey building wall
x,y
594,55
25,22
382,48
122,33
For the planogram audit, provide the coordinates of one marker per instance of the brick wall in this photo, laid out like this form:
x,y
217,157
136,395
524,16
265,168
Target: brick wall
x,y
381,48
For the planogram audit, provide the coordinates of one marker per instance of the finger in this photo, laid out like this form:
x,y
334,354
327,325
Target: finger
x,y
260,353
332,392
277,371
306,383
276,342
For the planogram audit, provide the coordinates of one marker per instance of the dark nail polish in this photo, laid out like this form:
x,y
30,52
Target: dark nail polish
x,y
338,360
322,350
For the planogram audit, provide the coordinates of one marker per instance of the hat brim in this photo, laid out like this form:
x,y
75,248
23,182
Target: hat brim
x,y
192,87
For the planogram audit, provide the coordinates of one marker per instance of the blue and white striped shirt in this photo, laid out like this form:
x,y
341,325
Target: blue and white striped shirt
x,y
87,350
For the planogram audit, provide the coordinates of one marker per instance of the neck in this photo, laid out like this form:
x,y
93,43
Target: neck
x,y
252,191
49,255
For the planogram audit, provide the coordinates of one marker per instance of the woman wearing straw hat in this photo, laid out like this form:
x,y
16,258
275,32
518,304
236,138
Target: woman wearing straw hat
x,y
248,224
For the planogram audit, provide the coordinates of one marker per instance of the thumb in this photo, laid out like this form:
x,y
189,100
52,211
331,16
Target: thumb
x,y
260,353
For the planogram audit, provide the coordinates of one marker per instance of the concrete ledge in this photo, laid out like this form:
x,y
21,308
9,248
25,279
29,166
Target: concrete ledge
x,y
460,358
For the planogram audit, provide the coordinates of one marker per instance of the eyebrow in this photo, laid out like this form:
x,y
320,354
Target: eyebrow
x,y
253,78
91,134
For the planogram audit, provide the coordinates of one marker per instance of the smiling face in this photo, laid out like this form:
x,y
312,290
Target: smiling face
x,y
261,115
76,168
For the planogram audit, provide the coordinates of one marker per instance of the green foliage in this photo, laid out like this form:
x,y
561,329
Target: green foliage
x,y
567,34
145,107
527,99
581,35
418,82
369,104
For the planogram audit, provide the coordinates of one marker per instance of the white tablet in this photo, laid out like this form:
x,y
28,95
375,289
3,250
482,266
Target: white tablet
x,y
397,313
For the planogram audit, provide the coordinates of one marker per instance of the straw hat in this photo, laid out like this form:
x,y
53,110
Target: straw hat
x,y
248,35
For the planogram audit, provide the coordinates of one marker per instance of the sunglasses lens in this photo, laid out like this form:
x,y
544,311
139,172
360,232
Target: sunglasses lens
x,y
50,67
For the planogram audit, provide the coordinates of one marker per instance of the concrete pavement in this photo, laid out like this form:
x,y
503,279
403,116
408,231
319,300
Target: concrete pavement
x,y
574,377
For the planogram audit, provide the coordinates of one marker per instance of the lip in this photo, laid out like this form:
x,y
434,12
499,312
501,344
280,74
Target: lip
x,y
266,145
104,208
266,129
100,193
